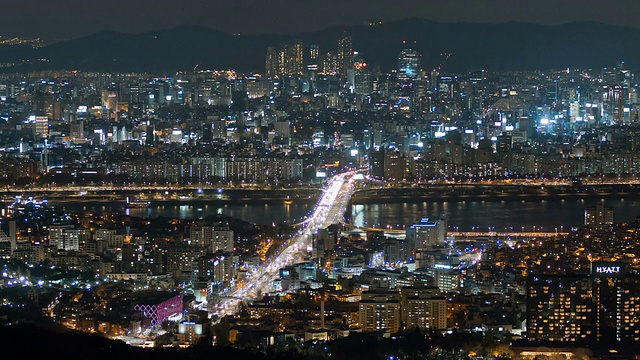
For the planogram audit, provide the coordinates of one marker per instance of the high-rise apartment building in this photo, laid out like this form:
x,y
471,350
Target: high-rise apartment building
x,y
598,215
296,58
395,165
271,63
217,267
330,63
427,233
560,308
380,312
287,60
423,307
41,127
212,238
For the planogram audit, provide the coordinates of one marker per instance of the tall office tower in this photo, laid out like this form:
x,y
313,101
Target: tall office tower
x,y
76,130
366,139
607,284
312,67
345,53
271,63
376,163
109,104
283,129
314,54
44,104
363,80
218,128
217,267
434,80
409,64
446,275
560,308
616,294
395,165
130,259
41,126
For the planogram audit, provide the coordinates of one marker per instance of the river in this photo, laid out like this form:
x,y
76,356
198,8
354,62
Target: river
x,y
482,215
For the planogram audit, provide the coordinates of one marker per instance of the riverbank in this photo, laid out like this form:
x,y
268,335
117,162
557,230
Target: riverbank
x,y
369,195
141,198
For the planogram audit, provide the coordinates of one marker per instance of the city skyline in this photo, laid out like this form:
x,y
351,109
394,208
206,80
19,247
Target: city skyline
x,y
446,46
69,19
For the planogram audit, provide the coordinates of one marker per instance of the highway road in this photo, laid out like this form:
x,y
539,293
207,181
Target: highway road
x,y
329,210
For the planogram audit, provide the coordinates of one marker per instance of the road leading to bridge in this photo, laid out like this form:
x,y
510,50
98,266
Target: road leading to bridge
x,y
329,210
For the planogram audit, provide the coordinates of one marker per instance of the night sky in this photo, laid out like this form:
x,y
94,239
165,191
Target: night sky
x,y
55,20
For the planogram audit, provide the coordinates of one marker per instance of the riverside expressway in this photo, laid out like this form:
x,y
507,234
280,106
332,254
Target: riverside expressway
x,y
328,210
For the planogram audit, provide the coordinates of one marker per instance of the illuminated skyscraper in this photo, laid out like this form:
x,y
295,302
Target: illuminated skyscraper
x,y
109,104
409,64
314,53
41,126
313,66
362,76
345,53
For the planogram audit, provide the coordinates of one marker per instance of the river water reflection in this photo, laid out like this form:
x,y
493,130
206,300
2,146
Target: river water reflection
x,y
545,215
517,215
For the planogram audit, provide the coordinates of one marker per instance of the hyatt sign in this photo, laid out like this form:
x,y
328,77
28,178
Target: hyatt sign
x,y
607,269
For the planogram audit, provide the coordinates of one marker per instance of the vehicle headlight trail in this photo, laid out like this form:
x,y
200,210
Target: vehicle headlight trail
x,y
328,210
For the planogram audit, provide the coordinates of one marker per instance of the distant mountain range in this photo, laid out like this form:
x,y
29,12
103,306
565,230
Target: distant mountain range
x,y
472,46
